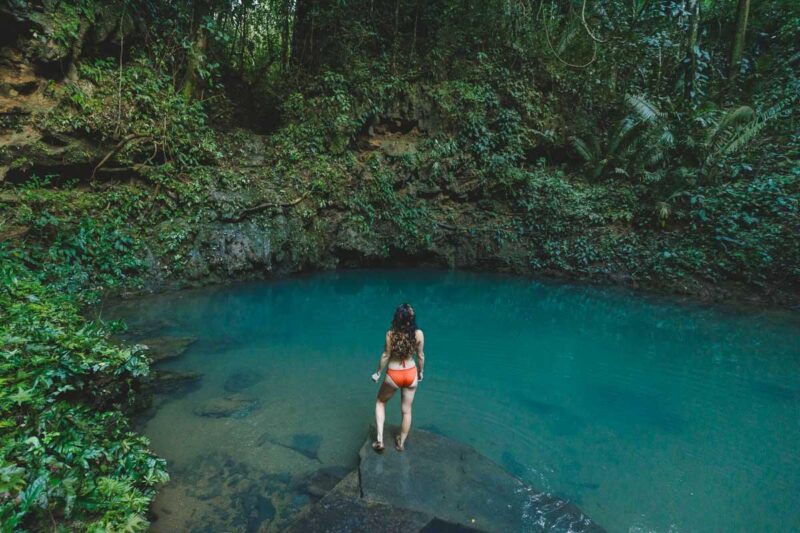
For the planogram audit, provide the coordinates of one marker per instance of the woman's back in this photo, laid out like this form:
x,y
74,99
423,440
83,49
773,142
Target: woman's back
x,y
403,347
402,342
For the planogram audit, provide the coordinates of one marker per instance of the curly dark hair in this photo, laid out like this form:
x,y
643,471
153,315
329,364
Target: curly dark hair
x,y
404,332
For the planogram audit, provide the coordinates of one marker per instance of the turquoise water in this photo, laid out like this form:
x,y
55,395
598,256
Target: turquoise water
x,y
648,414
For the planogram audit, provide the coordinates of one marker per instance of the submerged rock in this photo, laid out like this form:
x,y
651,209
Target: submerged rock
x,y
231,405
438,485
171,382
150,328
342,509
242,379
453,482
216,492
325,479
163,348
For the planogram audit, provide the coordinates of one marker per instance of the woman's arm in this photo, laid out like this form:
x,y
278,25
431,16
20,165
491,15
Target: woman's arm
x,y
387,349
420,353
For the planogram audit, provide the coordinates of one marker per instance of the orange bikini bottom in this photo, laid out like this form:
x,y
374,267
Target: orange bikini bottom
x,y
403,377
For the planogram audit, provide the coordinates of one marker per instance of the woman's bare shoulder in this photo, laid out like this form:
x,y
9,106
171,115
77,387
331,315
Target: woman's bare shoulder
x,y
419,335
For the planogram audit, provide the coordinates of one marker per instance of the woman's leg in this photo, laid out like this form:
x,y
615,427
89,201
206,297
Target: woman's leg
x,y
407,396
384,395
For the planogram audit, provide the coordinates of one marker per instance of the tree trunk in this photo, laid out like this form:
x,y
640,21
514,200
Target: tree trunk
x,y
311,35
742,12
287,25
245,5
303,22
691,52
193,84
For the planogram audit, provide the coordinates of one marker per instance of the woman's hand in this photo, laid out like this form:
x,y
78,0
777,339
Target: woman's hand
x,y
419,378
376,376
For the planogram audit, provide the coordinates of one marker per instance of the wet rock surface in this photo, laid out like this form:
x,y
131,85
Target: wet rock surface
x,y
164,348
438,485
148,328
325,479
343,510
228,406
176,383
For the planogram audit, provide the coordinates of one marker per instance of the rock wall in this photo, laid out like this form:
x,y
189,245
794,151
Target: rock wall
x,y
40,44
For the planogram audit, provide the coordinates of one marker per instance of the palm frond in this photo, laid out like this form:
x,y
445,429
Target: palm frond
x,y
666,138
742,137
644,109
583,149
735,139
620,171
656,157
567,35
626,136
732,119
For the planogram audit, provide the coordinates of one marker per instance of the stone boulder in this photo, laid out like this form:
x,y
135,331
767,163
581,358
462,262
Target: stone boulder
x,y
229,406
163,348
438,484
324,480
175,383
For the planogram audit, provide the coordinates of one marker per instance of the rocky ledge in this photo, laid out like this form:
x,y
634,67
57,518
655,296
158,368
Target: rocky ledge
x,y
437,485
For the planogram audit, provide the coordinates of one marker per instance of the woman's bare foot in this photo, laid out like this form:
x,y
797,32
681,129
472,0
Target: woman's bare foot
x,y
398,445
378,446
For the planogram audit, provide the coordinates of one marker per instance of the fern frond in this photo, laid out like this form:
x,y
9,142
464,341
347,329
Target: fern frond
x,y
134,523
629,132
736,139
666,138
583,149
732,119
644,109
596,147
655,158
742,137
566,36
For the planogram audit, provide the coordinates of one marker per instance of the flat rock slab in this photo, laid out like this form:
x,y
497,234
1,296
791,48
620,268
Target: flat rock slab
x,y
172,382
231,405
453,482
437,485
342,510
163,348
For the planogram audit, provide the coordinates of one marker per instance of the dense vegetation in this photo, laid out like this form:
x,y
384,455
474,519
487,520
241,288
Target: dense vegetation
x,y
654,143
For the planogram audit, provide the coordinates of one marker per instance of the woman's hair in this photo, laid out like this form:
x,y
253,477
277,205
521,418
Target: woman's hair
x,y
404,332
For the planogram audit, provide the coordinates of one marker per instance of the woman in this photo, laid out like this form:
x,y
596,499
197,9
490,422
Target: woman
x,y
402,341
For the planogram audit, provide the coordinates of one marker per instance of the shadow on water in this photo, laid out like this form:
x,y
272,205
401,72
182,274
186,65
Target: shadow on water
x,y
304,444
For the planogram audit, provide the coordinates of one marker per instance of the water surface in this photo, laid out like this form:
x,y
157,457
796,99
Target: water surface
x,y
648,414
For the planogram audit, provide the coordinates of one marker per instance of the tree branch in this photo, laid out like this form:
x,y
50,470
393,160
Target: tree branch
x,y
248,210
120,145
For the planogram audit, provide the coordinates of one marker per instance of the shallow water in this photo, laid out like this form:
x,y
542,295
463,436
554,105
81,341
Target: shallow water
x,y
648,414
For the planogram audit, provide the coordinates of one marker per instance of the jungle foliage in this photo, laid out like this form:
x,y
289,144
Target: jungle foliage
x,y
654,142
68,454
